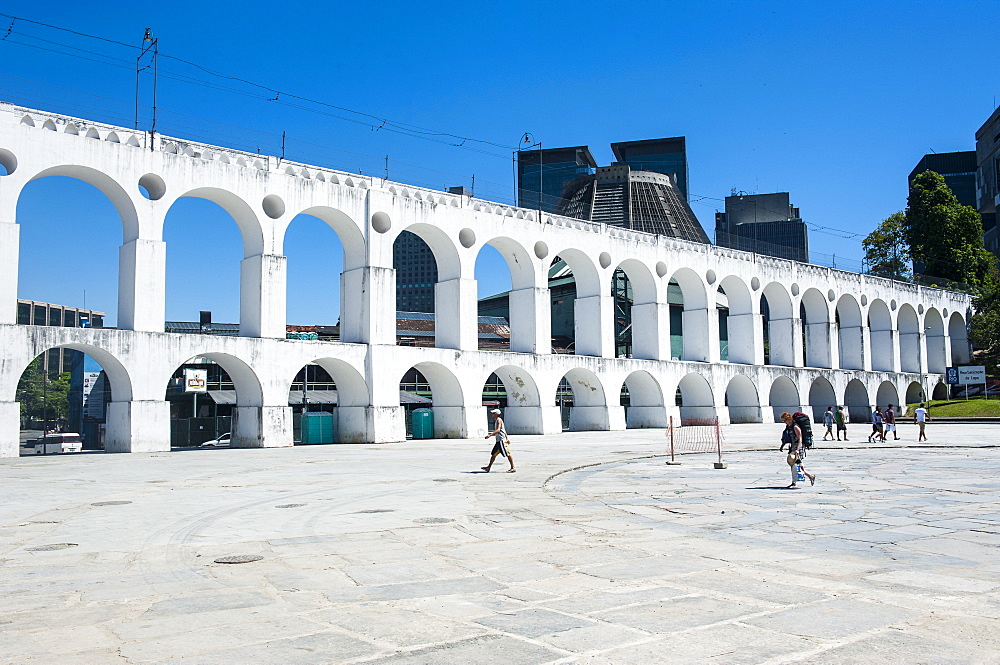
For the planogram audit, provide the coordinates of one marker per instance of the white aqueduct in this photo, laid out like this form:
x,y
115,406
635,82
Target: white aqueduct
x,y
867,340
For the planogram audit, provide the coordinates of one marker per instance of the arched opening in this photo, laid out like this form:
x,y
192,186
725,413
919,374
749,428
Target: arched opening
x,y
722,321
821,396
959,334
909,339
71,265
784,396
742,399
434,386
914,394
589,406
636,312
880,324
886,395
695,399
591,316
737,322
850,333
562,310
514,392
643,401
940,391
859,405
779,326
429,290
937,346
67,391
205,399
696,327
500,303
815,314
328,398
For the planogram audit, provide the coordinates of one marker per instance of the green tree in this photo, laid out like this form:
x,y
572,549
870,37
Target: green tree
x,y
42,396
984,326
887,250
944,235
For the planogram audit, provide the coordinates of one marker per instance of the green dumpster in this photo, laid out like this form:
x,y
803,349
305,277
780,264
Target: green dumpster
x,y
423,424
317,427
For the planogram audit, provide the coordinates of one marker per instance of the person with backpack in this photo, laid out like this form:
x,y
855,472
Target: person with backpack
x,y
798,436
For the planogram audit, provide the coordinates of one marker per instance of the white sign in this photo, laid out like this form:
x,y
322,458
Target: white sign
x,y
93,396
195,380
971,374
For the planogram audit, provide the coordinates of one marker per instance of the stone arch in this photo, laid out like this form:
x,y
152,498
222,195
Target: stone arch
x,y
880,326
850,333
816,329
886,394
821,395
352,399
448,400
523,413
696,326
519,261
937,344
959,334
909,339
239,210
740,322
118,375
779,324
347,229
449,287
940,391
914,393
743,401
108,186
449,265
591,320
637,314
697,401
857,401
646,408
590,410
784,396
529,330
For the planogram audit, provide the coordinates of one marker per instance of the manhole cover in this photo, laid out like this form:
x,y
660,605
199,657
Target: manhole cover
x,y
239,558
445,480
156,481
434,520
372,511
290,505
52,547
43,522
111,503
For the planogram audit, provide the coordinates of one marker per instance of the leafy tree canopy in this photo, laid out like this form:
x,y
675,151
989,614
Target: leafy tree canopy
x,y
887,250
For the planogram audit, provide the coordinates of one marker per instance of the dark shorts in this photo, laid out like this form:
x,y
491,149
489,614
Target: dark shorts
x,y
499,448
841,428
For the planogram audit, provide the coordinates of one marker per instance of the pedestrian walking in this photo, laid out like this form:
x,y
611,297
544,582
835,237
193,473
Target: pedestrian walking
x,y
828,421
890,423
841,420
921,418
502,445
878,433
792,436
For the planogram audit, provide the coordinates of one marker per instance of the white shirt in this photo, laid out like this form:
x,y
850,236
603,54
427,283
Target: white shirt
x,y
921,414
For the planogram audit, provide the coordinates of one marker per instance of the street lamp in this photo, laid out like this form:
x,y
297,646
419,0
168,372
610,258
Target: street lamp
x,y
526,142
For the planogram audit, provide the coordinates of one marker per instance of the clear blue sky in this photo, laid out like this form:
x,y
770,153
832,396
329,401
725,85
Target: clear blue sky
x,y
833,102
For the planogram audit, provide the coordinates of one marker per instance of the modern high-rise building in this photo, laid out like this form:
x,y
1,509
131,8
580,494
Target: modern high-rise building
x,y
542,174
34,313
667,156
416,274
764,224
988,179
958,170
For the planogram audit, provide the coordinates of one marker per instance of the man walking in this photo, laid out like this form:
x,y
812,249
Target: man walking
x,y
828,423
501,446
921,418
890,423
841,420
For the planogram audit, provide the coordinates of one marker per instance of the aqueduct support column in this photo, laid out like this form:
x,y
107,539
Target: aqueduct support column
x,y
531,321
9,249
819,344
701,334
384,419
746,339
785,336
852,342
139,426
594,326
596,418
652,316
456,321
532,420
142,266
362,319
10,428
262,427
262,296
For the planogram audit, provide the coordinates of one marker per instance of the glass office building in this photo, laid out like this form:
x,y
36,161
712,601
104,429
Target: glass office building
x,y
667,156
416,274
542,174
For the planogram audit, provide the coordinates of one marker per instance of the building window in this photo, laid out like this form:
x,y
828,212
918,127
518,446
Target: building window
x,y
23,313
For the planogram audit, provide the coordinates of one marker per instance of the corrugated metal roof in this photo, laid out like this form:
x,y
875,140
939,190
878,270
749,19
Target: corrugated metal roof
x,y
313,397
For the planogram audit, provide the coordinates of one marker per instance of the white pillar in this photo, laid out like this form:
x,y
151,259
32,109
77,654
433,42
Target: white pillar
x,y
262,427
139,426
456,316
851,341
9,248
530,321
368,306
785,337
651,331
937,352
459,422
638,417
818,344
142,285
385,424
596,418
532,420
746,339
262,296
10,429
594,329
910,352
701,334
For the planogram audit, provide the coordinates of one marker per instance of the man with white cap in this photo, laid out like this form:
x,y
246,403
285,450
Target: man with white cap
x,y
501,446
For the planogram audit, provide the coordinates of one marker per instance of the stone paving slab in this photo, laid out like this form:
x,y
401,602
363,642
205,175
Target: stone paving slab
x,y
594,553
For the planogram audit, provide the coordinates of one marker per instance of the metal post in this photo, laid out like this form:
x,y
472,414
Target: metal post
x,y
718,444
45,407
670,434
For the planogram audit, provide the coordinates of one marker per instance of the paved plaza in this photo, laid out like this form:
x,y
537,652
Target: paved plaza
x,y
595,552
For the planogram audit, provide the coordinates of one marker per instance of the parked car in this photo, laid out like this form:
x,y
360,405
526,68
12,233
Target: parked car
x,y
65,442
217,441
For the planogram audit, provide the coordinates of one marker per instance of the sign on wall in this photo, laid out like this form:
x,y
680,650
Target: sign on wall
x,y
195,380
965,375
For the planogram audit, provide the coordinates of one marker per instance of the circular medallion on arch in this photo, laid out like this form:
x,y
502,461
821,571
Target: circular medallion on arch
x,y
831,296
661,268
864,301
605,259
467,237
152,186
710,277
8,161
541,249
273,206
381,222
755,283
795,289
